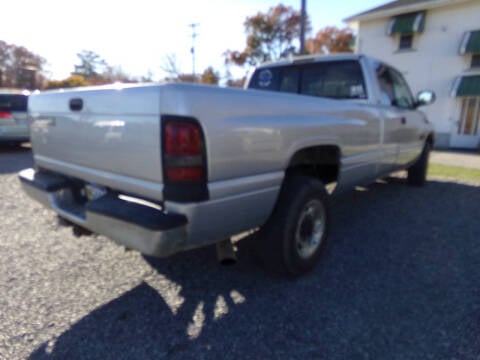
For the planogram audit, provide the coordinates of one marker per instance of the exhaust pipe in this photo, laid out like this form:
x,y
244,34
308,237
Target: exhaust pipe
x,y
63,222
79,231
226,252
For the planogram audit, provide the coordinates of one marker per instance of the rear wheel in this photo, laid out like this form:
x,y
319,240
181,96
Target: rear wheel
x,y
417,173
295,235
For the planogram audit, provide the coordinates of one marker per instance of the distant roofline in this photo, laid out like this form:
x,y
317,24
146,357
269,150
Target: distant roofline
x,y
390,9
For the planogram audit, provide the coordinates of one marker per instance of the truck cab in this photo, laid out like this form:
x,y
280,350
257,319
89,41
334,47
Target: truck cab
x,y
360,79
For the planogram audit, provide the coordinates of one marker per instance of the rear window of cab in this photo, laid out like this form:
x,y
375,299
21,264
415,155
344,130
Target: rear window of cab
x,y
330,79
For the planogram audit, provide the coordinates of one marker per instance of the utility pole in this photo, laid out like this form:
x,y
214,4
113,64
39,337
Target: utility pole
x,y
303,21
192,49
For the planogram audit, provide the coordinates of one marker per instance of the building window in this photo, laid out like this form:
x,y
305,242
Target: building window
x,y
406,42
470,117
475,61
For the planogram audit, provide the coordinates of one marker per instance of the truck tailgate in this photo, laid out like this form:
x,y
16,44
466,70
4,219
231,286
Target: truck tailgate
x,y
109,135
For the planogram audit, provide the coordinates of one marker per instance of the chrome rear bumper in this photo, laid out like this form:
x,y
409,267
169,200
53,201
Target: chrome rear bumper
x,y
140,227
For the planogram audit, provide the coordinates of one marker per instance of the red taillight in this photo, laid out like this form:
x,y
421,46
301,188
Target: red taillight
x,y
185,174
183,151
5,114
182,139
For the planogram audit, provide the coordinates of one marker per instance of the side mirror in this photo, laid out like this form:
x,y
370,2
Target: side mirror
x,y
425,97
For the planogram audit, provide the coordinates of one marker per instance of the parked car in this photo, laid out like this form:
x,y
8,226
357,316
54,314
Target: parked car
x,y
14,125
167,168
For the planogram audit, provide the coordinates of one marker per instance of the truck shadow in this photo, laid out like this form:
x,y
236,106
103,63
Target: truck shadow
x,y
400,280
14,158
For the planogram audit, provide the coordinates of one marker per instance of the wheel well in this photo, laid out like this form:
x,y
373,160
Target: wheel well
x,y
321,162
431,139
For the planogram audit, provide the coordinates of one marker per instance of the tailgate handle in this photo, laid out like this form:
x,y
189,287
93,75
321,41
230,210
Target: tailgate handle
x,y
76,104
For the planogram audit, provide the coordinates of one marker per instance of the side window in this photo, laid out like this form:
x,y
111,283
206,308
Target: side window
x,y
394,90
403,95
334,79
385,83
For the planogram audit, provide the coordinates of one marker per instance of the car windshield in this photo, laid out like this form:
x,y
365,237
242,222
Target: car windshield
x,y
13,102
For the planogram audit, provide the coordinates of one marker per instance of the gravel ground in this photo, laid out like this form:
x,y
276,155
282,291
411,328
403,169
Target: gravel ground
x,y
400,280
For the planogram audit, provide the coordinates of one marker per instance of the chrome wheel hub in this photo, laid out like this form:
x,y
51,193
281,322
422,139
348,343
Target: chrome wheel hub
x,y
310,228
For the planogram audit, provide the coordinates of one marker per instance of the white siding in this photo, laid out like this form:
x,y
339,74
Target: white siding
x,y
434,62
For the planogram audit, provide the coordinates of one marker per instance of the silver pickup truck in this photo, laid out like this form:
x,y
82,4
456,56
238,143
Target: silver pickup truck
x,y
170,167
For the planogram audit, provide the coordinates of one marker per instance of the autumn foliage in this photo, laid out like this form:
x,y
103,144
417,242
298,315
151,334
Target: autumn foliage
x,y
19,67
274,35
330,39
210,76
270,36
71,81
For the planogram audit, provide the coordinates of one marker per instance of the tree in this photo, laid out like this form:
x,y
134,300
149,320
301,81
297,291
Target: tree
x,y
148,77
91,65
330,39
236,83
170,66
270,36
19,67
210,76
186,78
71,81
173,73
115,73
94,70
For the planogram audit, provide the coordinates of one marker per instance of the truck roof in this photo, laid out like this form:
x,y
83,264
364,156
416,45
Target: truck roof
x,y
306,59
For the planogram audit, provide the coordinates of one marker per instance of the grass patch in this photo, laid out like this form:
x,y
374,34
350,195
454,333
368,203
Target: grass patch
x,y
454,172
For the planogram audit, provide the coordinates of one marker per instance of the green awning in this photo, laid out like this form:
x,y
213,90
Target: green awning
x,y
470,43
407,23
467,86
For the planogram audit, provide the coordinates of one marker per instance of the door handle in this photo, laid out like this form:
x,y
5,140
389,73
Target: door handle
x,y
76,104
403,120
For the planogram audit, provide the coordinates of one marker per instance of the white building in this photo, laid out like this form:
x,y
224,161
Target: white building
x,y
436,44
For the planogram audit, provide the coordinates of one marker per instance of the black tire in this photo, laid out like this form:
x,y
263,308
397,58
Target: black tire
x,y
417,173
294,237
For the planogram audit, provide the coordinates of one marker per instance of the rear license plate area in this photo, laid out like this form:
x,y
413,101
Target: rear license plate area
x,y
94,192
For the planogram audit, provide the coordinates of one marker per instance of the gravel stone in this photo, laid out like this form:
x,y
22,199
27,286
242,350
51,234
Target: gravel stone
x,y
400,280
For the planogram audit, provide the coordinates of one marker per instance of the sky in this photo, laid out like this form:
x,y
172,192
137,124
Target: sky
x,y
137,35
